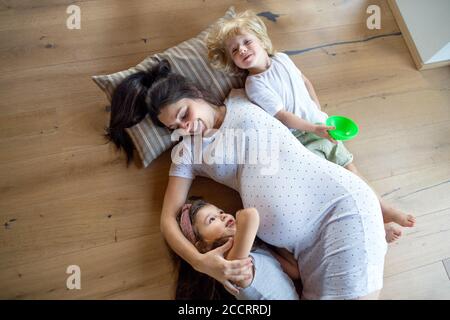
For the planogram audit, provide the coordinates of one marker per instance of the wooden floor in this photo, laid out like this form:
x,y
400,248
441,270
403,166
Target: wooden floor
x,y
66,197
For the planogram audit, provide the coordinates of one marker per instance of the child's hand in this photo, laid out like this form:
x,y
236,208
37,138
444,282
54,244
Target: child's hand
x,y
322,131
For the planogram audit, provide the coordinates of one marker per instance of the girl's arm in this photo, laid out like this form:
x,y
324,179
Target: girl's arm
x,y
293,121
211,263
247,223
311,91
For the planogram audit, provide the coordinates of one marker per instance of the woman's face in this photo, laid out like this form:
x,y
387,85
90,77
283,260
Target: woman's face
x,y
192,115
213,224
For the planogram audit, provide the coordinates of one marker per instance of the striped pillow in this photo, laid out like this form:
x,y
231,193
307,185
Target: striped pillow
x,y
190,59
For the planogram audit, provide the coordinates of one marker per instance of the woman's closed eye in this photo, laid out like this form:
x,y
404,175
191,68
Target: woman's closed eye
x,y
183,114
180,116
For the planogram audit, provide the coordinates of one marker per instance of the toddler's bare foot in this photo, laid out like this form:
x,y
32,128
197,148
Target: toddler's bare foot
x,y
391,214
408,220
393,232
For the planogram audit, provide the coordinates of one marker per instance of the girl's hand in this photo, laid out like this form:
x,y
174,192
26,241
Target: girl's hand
x,y
216,266
322,131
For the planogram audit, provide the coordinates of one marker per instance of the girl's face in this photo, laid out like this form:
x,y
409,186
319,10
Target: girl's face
x,y
194,116
247,52
213,224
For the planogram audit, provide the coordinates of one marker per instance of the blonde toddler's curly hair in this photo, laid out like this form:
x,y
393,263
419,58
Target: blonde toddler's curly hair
x,y
227,28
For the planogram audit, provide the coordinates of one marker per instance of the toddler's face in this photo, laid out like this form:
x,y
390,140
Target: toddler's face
x,y
246,51
213,224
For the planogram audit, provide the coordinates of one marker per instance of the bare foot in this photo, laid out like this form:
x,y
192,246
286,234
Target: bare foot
x,y
391,214
408,220
393,232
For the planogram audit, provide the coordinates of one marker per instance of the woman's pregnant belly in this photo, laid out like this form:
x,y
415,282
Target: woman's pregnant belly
x,y
298,199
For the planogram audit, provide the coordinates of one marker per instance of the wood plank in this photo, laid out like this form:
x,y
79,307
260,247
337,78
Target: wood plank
x,y
307,16
385,145
66,86
31,4
419,192
68,225
402,153
81,201
104,34
27,14
105,272
28,123
356,70
81,130
428,282
422,245
71,83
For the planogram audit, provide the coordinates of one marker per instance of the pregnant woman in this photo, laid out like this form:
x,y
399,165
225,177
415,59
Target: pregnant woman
x,y
327,217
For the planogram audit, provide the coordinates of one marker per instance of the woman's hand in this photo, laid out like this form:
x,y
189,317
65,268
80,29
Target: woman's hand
x,y
216,266
322,131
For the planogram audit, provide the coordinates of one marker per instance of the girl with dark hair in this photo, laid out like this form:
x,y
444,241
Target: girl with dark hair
x,y
327,217
208,227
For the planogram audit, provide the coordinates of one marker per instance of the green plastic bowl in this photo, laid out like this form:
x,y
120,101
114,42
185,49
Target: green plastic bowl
x,y
346,128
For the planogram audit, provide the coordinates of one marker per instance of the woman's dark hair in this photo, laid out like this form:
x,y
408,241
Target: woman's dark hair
x,y
193,285
147,92
128,105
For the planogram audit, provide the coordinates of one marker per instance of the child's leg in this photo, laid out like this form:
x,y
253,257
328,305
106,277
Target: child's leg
x,y
390,214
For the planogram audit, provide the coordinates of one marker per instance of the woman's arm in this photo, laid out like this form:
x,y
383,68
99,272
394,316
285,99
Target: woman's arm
x,y
311,91
174,198
211,263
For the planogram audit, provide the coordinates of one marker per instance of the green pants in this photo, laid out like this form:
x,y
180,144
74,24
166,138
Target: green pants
x,y
324,148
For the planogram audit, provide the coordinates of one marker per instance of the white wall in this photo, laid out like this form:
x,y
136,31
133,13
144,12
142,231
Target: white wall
x,y
429,25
